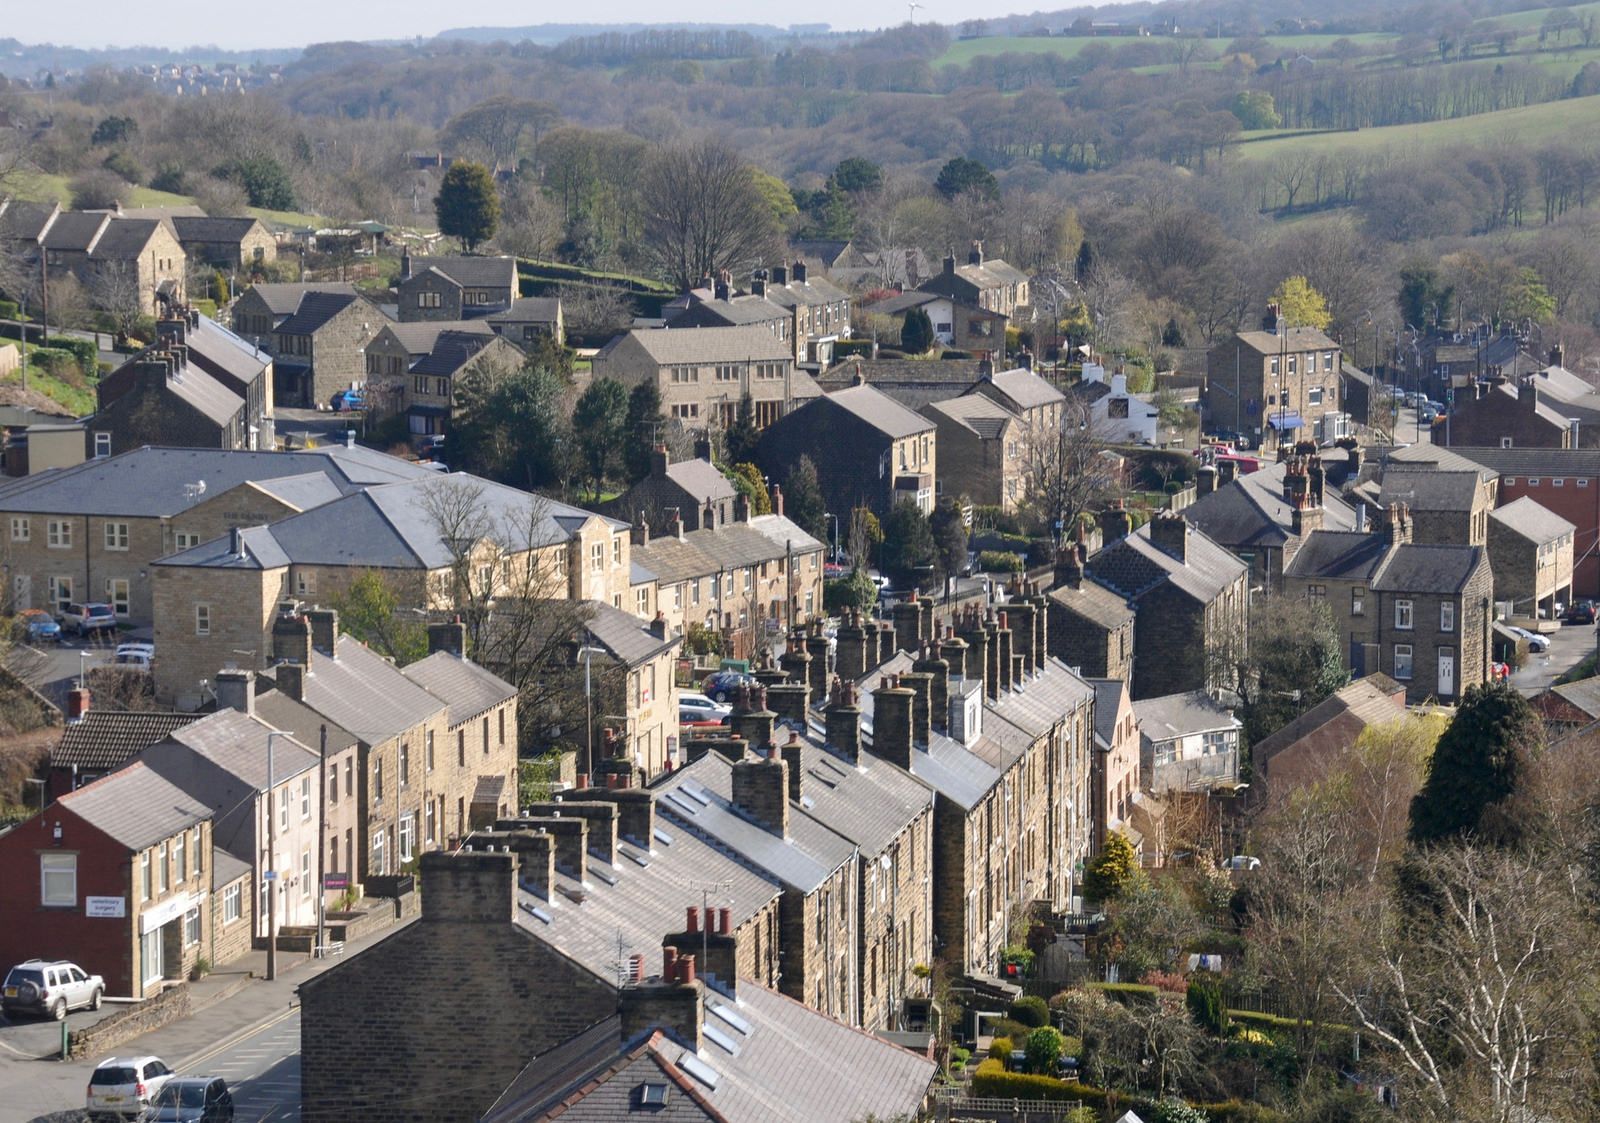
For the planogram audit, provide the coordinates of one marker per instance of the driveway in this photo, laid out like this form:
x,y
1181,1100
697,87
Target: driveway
x,y
1569,645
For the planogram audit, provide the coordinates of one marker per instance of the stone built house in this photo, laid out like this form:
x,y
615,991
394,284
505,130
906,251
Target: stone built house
x,y
92,532
1421,614
705,374
126,262
956,323
1565,481
221,596
262,307
1091,627
987,283
102,741
694,491
1114,780
231,244
1187,742
809,315
396,348
1272,385
1448,507
1530,552
1303,752
319,349
529,319
121,878
1510,416
1188,593
699,1036
983,453
870,451
428,395
454,288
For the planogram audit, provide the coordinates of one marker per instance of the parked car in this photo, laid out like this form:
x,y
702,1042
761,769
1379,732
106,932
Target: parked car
x,y
90,617
1582,612
721,685
35,625
698,707
191,1099
347,400
1535,641
52,987
1242,862
136,656
124,1086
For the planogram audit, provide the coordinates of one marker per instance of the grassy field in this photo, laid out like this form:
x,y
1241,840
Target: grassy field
x,y
41,187
78,399
1572,118
1533,18
964,51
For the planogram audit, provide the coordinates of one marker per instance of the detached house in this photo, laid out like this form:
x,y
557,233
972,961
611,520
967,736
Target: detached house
x,y
262,307
983,450
1531,554
694,492
869,450
123,262
229,243
428,394
320,348
1278,382
455,288
530,318
705,374
987,283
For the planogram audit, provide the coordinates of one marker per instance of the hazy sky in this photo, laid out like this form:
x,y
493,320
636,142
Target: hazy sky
x,y
293,23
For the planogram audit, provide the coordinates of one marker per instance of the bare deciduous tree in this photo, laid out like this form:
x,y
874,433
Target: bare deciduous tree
x,y
703,213
1066,473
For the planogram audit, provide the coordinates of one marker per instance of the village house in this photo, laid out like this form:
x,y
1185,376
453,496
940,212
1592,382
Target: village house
x,y
1273,385
957,323
819,311
1305,751
870,451
693,491
120,877
1090,627
987,283
128,264
706,374
454,288
262,307
1449,505
1188,593
228,243
100,741
1115,778
1565,481
429,392
320,348
1531,555
1187,742
396,348
529,319
1510,416
983,451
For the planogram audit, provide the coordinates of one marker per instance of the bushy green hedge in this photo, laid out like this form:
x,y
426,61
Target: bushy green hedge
x,y
54,360
86,353
992,1080
1238,1111
1031,1011
1000,561
1125,993
9,309
852,349
1340,1035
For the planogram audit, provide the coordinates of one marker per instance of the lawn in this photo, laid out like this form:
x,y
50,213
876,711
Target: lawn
x,y
41,187
76,399
1572,118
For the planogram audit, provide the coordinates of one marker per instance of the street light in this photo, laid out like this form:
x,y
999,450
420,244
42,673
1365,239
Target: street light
x,y
835,518
270,875
588,653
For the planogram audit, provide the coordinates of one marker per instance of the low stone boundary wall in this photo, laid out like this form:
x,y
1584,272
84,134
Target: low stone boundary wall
x,y
168,1006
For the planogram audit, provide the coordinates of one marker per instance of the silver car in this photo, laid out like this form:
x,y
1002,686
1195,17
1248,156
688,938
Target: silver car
x,y
123,1087
51,987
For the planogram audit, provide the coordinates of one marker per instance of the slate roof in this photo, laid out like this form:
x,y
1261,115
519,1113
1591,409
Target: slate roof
x,y
210,397
529,309
992,273
1583,693
223,354
124,238
1407,456
702,553
192,228
869,803
1536,461
75,231
1532,520
1024,387
283,298
472,272
316,309
451,351
25,221
1134,564
418,337
302,492
1108,693
1094,603
365,693
701,479
1298,339
880,411
465,687
735,312
984,417
1179,715
1428,569
699,797
1368,701
704,345
108,739
283,712
811,291
135,807
1044,699
226,869
1339,555
1429,489
628,638
1251,511
238,745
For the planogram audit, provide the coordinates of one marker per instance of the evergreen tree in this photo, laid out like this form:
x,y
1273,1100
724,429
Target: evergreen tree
x,y
1476,765
597,425
1086,260
1113,871
907,544
960,175
949,537
1206,1005
802,499
641,428
748,482
740,439
467,206
916,333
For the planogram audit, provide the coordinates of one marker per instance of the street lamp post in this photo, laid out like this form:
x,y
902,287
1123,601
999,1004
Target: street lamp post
x,y
589,652
835,518
270,874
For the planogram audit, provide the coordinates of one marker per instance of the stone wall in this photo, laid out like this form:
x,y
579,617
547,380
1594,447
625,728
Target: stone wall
x,y
166,1007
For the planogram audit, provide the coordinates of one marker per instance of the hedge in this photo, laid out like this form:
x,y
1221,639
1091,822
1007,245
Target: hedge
x,y
9,309
1000,561
1238,1111
1126,993
88,355
992,1080
852,348
1252,1019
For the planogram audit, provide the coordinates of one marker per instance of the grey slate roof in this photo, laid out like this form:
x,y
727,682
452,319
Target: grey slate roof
x,y
1251,511
238,745
736,312
705,345
1044,699
701,479
75,231
1094,603
1339,556
1428,569
303,492
1448,459
529,309
451,351
465,687
193,228
1429,489
1179,715
1207,569
316,309
135,807
124,238
699,797
1536,461
226,869
283,298
363,692
1108,694
418,337
1025,388
107,739
984,417
207,395
1583,693
1298,339
880,411
810,292
702,553
869,804
472,272
283,712
1532,520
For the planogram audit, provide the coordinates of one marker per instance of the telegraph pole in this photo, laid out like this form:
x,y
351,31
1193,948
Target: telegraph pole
x,y
270,875
322,847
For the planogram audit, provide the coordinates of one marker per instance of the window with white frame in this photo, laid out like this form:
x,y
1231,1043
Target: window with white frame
x,y
184,540
305,873
1402,615
305,582
117,595
597,557
1402,661
59,534
180,857
642,600
232,903
191,928
58,880
1447,617
305,797
408,837
20,530
116,535
202,619
102,445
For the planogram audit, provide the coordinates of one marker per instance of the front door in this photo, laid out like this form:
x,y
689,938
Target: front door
x,y
1447,672
21,592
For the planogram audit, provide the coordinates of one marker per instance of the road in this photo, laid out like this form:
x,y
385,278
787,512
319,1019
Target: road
x,y
1570,644
51,668
262,1067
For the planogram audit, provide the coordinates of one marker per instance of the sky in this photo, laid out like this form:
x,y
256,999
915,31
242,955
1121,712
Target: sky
x,y
294,23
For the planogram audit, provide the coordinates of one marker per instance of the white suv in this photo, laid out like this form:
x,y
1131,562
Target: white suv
x,y
124,1086
51,987
90,617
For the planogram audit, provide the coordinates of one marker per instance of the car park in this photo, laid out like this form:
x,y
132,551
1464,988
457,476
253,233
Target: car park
x,y
135,656
89,617
1581,612
122,1087
35,625
191,1099
721,685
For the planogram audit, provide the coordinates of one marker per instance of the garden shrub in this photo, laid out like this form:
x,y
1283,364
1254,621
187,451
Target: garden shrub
x,y
992,1080
1206,1007
1031,1011
852,348
999,1050
1126,993
1000,561
1044,1049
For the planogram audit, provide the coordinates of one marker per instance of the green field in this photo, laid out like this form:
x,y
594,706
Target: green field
x,y
1533,18
41,187
964,51
1569,118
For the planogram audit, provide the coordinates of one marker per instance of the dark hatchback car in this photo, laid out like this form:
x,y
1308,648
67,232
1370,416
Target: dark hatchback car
x,y
191,1099
1581,612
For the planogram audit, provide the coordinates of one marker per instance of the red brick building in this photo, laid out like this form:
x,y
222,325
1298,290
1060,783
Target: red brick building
x,y
1563,480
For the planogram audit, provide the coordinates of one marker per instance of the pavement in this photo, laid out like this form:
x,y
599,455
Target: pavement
x,y
243,1028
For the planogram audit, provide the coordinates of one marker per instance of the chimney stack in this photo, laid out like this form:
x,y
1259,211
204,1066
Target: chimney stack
x,y
291,680
843,721
761,792
1205,481
934,665
236,690
1169,533
891,723
291,635
324,629
1115,522
449,636
794,762
671,1003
